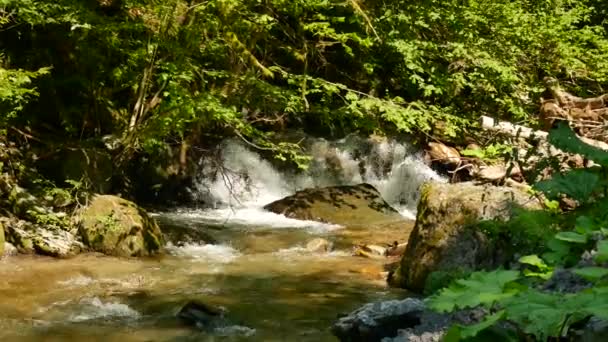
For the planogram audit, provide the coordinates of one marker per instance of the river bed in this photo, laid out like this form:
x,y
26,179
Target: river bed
x,y
272,288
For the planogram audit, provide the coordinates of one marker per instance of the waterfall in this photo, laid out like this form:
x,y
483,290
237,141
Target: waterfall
x,y
241,178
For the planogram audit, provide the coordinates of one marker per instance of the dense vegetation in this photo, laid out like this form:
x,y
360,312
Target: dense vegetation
x,y
155,72
151,74
556,290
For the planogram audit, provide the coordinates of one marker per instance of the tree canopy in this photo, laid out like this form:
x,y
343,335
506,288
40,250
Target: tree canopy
x,y
157,71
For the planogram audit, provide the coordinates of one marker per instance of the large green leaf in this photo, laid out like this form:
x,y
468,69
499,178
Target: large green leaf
x,y
602,251
565,139
591,273
538,313
459,332
578,184
542,271
571,237
480,288
546,314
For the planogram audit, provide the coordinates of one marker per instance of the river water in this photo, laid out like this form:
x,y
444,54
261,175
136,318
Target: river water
x,y
258,270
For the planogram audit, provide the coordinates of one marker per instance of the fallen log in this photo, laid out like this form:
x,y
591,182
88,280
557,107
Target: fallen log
x,y
514,130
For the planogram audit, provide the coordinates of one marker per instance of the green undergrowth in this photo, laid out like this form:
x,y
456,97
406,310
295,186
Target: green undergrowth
x,y
522,299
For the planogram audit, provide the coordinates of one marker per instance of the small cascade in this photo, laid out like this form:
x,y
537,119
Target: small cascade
x,y
241,178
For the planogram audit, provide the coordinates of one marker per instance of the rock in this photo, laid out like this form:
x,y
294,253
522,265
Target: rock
x,y
9,249
180,234
202,316
375,321
396,249
439,152
596,330
406,320
26,205
346,205
319,245
370,251
444,237
30,238
115,226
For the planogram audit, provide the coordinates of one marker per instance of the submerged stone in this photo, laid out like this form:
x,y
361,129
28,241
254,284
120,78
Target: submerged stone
x,y
115,226
346,205
202,315
319,245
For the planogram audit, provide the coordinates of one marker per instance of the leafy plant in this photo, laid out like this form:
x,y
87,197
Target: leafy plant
x,y
516,296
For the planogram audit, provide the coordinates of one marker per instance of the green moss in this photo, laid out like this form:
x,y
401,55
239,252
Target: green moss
x,y
115,226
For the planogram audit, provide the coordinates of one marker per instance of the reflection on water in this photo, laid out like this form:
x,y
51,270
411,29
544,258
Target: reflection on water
x,y
271,286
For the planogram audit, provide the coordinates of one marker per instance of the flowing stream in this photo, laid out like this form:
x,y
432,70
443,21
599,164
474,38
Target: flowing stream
x,y
258,270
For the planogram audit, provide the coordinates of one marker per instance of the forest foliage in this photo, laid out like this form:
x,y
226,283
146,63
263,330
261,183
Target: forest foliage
x,y
564,283
156,72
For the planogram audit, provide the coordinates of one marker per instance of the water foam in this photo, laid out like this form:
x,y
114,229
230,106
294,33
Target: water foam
x,y
244,181
94,308
251,216
233,330
305,252
220,254
77,281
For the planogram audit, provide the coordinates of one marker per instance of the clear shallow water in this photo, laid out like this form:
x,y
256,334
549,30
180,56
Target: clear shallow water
x,y
259,271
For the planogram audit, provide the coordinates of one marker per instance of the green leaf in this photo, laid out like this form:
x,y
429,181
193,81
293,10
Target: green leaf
x,y
602,251
533,260
566,140
578,184
591,273
585,225
480,288
472,330
571,237
537,313
543,272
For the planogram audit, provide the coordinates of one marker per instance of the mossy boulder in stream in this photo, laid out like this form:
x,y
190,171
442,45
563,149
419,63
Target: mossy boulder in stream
x,y
115,226
345,205
445,238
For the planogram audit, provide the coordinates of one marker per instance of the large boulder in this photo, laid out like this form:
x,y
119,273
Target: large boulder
x,y
345,205
115,226
445,238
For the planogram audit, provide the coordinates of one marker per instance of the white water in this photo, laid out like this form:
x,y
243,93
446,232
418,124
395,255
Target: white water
x,y
245,216
93,308
209,253
244,182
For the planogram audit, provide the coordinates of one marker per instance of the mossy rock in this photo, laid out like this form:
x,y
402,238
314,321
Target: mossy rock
x,y
349,205
445,237
115,226
31,238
